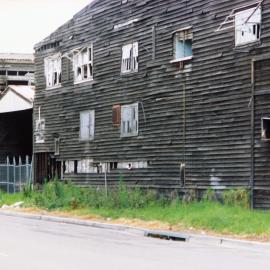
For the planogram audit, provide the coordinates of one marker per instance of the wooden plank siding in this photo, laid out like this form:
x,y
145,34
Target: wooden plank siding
x,y
200,115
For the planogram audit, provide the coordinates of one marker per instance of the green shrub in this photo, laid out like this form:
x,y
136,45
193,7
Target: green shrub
x,y
190,196
236,197
210,195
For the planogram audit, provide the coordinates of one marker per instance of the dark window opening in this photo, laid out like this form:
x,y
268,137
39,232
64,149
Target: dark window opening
x,y
12,73
266,128
113,165
2,73
22,73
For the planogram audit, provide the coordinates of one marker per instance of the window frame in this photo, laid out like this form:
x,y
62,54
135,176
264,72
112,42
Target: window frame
x,y
184,31
91,137
237,28
40,130
134,64
133,133
50,77
90,65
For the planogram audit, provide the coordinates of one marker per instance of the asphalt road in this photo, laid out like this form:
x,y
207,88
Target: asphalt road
x,y
39,245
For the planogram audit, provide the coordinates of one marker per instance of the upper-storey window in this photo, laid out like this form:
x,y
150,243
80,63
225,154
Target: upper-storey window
x,y
83,65
183,45
53,73
87,125
130,53
248,26
129,120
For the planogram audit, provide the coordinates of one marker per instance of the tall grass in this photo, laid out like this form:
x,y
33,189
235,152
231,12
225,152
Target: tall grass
x,y
231,217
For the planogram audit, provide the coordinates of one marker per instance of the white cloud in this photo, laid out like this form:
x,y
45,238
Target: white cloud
x,y
26,22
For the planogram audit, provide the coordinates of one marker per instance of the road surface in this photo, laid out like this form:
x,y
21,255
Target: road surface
x,y
40,245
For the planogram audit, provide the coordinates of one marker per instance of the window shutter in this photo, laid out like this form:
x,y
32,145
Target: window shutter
x,y
116,115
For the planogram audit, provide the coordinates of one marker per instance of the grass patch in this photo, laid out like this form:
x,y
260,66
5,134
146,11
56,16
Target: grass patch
x,y
233,217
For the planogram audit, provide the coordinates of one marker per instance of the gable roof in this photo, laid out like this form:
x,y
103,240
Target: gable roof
x,y
17,98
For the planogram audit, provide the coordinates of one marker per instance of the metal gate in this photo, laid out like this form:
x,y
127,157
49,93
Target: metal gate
x,y
15,175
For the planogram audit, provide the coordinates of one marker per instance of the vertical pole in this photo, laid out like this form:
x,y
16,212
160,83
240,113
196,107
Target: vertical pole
x,y
27,170
252,132
8,175
14,175
106,183
20,173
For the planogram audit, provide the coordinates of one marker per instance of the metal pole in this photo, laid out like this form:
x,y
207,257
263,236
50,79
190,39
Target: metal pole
x,y
14,175
106,183
20,172
8,175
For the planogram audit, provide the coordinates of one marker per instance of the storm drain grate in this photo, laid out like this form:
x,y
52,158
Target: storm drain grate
x,y
165,236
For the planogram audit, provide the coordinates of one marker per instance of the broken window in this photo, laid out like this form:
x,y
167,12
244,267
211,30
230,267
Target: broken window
x,y
57,146
182,45
129,120
83,65
116,115
39,131
266,128
130,55
53,71
248,26
87,125
69,167
86,166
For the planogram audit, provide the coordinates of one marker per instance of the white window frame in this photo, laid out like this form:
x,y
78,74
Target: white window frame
x,y
40,131
186,35
130,58
69,167
248,21
53,71
131,124
80,61
91,125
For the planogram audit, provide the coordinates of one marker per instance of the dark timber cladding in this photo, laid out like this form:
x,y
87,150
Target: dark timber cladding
x,y
195,116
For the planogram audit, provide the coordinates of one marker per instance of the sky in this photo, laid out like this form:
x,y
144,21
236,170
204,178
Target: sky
x,y
26,22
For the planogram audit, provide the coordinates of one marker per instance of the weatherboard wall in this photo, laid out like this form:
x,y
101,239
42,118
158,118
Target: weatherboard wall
x,y
199,116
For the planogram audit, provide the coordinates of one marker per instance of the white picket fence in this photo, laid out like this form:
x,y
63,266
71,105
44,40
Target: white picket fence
x,y
15,175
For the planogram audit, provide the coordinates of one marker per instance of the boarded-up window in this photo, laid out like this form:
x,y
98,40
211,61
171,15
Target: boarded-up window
x,y
87,125
116,115
129,120
248,26
40,131
130,54
52,67
83,65
183,45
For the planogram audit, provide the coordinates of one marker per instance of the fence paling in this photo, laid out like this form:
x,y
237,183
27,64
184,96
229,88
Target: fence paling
x,y
13,177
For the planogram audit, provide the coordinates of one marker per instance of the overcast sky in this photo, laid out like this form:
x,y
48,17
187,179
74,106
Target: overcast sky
x,y
26,22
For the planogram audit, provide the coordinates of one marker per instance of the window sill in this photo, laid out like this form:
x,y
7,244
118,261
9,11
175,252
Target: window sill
x,y
248,44
188,58
54,87
84,81
129,72
128,136
86,140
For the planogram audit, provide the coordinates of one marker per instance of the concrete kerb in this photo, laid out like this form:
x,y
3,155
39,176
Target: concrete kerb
x,y
184,237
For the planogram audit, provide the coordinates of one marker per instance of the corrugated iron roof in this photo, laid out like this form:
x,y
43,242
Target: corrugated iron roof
x,y
25,91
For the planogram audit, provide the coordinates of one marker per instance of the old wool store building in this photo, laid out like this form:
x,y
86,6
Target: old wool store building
x,y
162,94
